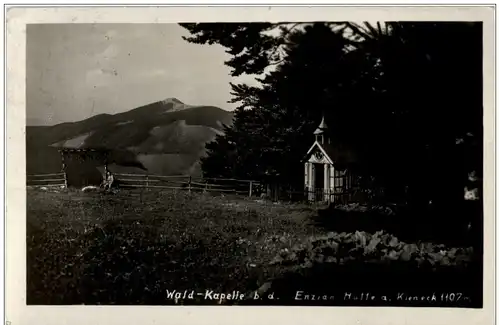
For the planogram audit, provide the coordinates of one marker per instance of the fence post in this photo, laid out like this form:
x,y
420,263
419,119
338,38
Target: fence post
x,y
147,182
250,190
189,185
63,165
65,180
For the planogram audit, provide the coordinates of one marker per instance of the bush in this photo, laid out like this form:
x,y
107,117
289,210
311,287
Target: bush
x,y
379,247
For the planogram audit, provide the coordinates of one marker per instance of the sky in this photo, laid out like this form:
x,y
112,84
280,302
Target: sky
x,y
75,71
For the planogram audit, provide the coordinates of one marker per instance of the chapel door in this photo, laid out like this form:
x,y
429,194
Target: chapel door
x,y
319,181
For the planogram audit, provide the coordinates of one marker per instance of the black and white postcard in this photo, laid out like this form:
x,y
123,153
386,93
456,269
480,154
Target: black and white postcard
x,y
211,157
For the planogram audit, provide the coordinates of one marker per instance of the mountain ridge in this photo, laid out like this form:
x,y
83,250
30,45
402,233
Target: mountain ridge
x,y
168,137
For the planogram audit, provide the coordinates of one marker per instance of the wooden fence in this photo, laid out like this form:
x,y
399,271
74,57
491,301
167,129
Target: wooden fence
x,y
146,181
249,188
188,183
47,180
315,195
339,196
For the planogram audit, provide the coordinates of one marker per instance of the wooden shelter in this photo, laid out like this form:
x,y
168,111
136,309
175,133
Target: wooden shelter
x,y
328,172
81,165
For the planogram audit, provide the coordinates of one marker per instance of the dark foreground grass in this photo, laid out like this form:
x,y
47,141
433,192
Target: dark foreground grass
x,y
138,247
130,248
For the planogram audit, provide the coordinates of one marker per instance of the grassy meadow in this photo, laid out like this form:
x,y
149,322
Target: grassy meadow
x,y
137,247
83,247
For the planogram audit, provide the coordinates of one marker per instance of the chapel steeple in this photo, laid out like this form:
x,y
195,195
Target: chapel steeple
x,y
321,132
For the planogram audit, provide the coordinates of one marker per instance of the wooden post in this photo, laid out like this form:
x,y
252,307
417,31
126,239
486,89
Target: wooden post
x,y
105,181
105,165
189,185
250,190
65,180
147,182
63,163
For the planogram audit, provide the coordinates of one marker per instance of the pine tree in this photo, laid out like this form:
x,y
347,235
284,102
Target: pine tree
x,y
273,128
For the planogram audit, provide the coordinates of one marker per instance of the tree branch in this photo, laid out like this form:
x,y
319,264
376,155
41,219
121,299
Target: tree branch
x,y
284,41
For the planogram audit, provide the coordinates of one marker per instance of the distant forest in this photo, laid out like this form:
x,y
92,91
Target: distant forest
x,y
405,96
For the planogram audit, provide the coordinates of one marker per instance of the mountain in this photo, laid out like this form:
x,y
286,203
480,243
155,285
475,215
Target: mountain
x,y
167,137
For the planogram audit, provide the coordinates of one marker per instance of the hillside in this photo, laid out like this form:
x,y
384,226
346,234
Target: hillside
x,y
168,137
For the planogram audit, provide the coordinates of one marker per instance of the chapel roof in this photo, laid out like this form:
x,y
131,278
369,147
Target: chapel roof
x,y
322,126
336,154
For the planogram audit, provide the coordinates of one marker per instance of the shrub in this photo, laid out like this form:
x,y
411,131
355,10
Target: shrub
x,y
379,247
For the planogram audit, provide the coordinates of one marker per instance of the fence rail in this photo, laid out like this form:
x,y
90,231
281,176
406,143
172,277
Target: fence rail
x,y
46,180
221,185
235,186
186,182
45,175
200,184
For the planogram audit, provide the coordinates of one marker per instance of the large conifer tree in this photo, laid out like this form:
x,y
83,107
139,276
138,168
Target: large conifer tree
x,y
274,125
